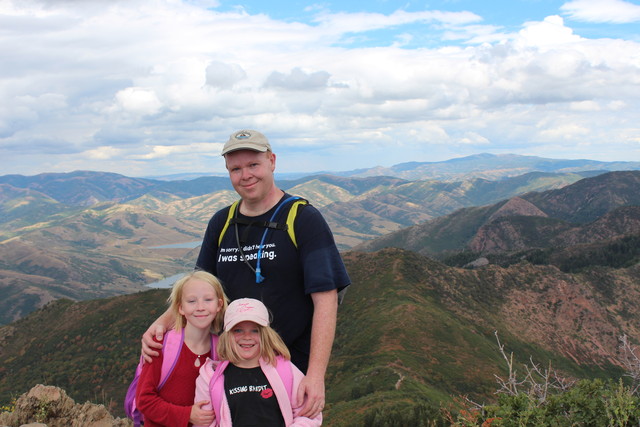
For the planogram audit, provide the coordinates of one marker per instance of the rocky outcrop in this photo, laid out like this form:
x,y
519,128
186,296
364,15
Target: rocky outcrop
x,y
48,406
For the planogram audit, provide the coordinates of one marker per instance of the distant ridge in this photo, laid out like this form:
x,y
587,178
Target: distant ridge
x,y
483,165
491,166
85,188
182,176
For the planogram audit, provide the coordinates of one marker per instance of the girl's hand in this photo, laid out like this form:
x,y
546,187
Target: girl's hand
x,y
200,416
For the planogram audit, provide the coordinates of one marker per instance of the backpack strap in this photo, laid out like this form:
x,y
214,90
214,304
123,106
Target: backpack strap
x,y
130,407
214,347
283,366
291,217
216,387
263,224
171,348
232,212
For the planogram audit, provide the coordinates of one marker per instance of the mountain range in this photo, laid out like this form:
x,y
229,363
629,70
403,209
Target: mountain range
x,y
484,165
86,187
559,282
94,234
585,214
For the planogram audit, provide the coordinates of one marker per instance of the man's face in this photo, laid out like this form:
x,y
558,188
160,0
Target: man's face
x,y
251,173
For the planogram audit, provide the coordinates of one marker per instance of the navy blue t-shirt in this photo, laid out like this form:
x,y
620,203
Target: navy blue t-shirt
x,y
290,274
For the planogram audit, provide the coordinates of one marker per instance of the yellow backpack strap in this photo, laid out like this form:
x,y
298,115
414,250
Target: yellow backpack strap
x,y
291,217
232,211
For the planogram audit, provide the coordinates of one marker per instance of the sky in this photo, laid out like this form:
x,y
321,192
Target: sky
x,y
155,87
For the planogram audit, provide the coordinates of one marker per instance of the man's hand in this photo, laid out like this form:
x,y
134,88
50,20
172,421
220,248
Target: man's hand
x,y
200,416
313,390
149,345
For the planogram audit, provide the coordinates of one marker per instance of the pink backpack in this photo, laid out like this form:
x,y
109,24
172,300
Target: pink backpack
x,y
171,348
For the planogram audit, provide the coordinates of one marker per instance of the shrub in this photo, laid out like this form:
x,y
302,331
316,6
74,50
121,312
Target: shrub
x,y
542,397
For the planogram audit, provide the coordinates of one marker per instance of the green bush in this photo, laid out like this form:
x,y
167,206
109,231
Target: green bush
x,y
587,403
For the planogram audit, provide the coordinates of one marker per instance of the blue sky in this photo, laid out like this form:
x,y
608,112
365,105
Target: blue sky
x,y
154,87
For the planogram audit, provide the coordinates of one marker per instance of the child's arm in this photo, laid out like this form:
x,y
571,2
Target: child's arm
x,y
152,405
202,396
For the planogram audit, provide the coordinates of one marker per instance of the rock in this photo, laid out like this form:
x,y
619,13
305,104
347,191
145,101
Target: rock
x,y
48,406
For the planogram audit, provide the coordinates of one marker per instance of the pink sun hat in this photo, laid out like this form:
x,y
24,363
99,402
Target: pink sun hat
x,y
245,309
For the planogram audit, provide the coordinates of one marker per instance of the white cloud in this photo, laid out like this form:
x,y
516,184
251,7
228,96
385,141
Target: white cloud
x,y
224,76
103,153
298,79
563,132
162,151
140,101
153,86
550,32
360,22
585,106
604,11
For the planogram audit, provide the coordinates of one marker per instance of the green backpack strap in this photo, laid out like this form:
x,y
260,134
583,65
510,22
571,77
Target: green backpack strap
x,y
232,211
291,217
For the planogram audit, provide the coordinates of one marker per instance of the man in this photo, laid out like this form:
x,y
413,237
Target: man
x,y
257,258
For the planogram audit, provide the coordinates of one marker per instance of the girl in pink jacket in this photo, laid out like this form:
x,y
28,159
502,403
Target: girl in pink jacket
x,y
256,383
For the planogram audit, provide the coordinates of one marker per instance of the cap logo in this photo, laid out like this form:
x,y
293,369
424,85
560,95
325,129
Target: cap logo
x,y
243,135
243,307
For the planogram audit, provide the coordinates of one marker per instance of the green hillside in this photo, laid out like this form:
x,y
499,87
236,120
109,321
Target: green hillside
x,y
413,333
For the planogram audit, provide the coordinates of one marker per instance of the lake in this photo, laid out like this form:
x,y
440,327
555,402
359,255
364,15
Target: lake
x,y
165,283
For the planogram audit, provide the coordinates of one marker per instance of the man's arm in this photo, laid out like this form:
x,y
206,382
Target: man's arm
x,y
323,330
157,329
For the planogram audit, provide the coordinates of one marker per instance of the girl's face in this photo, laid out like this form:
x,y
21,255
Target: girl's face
x,y
246,339
200,304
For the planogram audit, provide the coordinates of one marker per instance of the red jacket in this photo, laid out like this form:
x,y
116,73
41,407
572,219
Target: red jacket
x,y
171,405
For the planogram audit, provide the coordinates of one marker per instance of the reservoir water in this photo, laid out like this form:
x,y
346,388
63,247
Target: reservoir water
x,y
165,283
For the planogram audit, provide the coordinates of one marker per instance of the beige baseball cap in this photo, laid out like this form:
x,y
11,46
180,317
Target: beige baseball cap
x,y
246,139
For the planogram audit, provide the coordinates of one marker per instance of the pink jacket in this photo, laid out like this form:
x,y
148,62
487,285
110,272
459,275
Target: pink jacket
x,y
288,406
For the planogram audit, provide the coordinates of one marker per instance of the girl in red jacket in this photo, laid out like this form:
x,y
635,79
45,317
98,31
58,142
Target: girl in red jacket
x,y
198,303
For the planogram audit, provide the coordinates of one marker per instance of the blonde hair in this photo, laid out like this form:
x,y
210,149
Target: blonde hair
x,y
175,299
271,346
